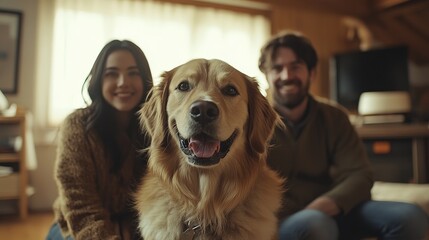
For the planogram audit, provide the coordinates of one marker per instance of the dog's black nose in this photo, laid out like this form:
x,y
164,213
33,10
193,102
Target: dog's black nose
x,y
204,111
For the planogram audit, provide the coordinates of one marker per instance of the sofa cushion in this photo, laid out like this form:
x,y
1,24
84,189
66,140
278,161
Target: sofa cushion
x,y
402,192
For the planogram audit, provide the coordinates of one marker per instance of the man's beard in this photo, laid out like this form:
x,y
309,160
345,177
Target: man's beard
x,y
292,101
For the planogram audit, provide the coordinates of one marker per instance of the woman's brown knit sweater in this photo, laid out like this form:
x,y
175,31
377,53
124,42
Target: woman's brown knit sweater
x,y
94,202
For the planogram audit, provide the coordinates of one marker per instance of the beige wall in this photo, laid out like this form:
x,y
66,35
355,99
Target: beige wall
x,y
41,178
26,83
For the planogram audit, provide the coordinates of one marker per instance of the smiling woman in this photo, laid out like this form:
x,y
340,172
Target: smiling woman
x,y
97,164
169,33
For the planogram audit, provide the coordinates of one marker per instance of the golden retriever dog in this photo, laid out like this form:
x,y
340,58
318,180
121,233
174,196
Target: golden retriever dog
x,y
207,175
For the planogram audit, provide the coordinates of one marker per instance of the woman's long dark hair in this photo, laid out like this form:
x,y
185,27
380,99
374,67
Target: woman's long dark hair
x,y
101,117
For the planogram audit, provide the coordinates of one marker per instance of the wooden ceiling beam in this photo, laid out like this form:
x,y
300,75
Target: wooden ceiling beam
x,y
406,33
406,7
253,9
420,23
350,7
378,5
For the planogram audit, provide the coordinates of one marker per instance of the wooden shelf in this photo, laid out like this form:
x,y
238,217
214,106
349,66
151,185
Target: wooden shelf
x,y
14,186
10,187
9,157
19,117
11,120
393,130
416,133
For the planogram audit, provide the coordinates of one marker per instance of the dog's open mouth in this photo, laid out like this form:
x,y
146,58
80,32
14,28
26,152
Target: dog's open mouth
x,y
204,150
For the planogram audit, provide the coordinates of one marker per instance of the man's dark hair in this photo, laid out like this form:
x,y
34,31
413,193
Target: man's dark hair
x,y
299,44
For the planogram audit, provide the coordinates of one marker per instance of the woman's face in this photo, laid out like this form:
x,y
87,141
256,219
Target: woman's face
x,y
122,83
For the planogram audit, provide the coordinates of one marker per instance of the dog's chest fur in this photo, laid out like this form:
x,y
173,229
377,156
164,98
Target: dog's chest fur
x,y
219,209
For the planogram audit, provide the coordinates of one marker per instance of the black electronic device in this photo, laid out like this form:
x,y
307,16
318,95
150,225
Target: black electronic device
x,y
375,70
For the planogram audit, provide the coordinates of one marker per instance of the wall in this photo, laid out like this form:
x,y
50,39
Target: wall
x,y
26,83
41,178
419,80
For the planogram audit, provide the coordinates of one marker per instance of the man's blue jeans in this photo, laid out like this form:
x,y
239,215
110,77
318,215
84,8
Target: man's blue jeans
x,y
384,220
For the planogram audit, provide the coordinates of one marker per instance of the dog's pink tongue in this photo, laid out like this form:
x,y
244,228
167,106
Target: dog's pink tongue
x,y
203,147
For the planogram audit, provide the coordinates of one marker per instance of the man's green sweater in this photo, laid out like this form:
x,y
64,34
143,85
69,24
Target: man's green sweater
x,y
322,155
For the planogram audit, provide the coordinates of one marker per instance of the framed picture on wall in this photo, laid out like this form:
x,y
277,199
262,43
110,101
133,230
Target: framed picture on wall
x,y
10,38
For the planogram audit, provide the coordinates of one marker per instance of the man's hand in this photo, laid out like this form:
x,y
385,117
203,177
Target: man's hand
x,y
324,204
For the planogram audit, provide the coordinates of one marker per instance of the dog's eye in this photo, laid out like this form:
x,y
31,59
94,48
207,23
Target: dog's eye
x,y
230,91
184,86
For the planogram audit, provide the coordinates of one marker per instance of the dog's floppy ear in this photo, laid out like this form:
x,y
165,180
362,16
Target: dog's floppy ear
x,y
153,114
262,119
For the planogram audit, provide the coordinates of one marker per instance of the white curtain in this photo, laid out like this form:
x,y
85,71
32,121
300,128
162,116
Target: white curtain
x,y
169,34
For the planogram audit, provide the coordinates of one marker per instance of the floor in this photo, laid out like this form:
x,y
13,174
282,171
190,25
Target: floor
x,y
35,227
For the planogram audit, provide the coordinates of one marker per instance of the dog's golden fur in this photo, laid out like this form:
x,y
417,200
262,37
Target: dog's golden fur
x,y
235,198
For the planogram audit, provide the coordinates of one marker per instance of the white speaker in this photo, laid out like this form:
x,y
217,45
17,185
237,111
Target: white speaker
x,y
379,103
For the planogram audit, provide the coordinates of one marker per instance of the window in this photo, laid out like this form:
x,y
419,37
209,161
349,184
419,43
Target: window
x,y
169,34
